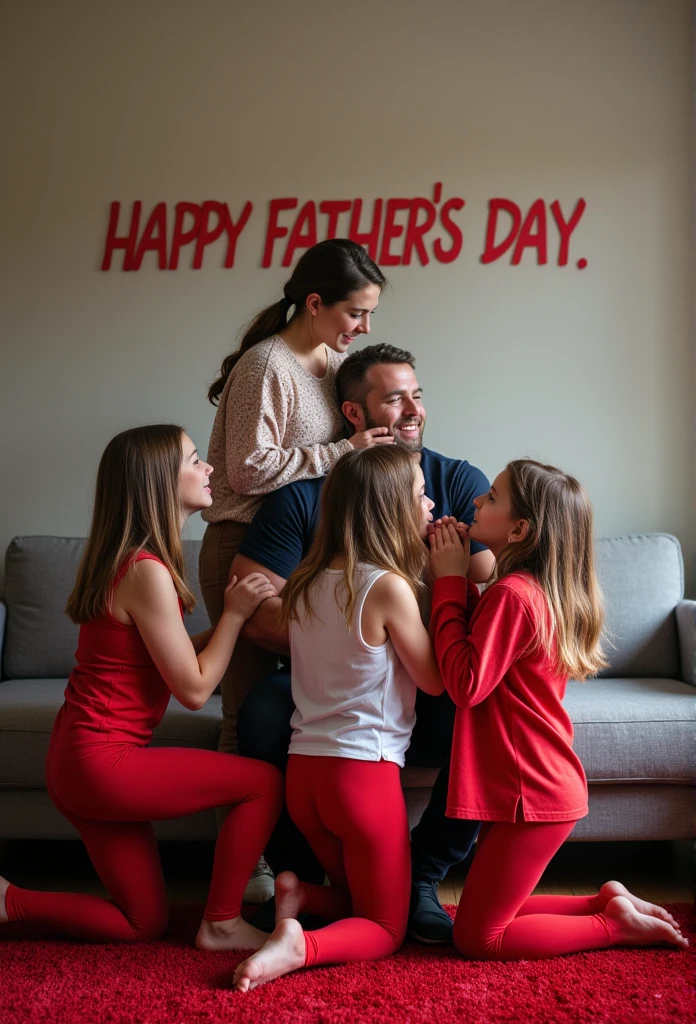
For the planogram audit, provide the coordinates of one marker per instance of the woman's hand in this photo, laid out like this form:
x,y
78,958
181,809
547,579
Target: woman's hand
x,y
242,597
369,438
449,549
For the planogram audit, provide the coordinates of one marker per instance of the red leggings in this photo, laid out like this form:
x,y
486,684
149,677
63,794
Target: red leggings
x,y
353,815
497,919
111,794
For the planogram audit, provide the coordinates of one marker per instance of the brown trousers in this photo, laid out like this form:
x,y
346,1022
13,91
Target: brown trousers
x,y
249,664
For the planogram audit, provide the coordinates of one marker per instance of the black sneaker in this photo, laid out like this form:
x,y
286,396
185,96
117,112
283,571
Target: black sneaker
x,y
427,921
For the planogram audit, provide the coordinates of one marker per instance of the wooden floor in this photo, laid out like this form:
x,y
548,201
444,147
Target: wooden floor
x,y
659,872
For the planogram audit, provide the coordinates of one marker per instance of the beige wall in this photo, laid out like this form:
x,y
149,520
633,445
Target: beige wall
x,y
527,99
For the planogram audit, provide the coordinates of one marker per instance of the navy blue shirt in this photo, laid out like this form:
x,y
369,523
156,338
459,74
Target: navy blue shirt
x,y
282,530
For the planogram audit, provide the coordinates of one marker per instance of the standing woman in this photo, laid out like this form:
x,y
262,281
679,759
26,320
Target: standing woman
x,y
279,421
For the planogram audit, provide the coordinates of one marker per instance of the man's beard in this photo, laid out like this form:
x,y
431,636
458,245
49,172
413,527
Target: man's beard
x,y
411,446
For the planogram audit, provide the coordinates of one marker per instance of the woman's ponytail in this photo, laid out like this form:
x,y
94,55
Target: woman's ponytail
x,y
267,323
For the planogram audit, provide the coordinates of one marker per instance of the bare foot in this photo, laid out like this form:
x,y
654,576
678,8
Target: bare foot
x,y
289,896
284,952
235,933
611,889
631,928
3,889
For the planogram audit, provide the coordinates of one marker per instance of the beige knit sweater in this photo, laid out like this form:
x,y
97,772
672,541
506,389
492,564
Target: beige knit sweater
x,y
275,423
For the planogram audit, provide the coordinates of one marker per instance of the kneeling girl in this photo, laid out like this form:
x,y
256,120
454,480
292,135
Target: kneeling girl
x,y
359,649
505,659
133,654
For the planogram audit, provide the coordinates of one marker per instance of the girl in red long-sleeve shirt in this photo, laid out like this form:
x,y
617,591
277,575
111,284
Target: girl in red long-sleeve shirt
x,y
505,658
133,654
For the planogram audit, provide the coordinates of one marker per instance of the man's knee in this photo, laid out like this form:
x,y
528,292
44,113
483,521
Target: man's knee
x,y
263,724
431,740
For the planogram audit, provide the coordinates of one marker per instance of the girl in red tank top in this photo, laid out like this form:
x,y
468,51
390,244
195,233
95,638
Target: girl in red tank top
x,y
505,659
133,654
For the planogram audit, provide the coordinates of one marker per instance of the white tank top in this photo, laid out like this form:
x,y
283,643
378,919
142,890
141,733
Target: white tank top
x,y
351,699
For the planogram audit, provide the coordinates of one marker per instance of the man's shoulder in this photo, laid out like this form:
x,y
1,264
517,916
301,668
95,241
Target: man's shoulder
x,y
282,528
437,462
298,494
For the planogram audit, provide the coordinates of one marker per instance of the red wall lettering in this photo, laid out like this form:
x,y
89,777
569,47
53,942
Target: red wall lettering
x,y
395,231
530,232
181,237
371,238
127,242
307,222
275,230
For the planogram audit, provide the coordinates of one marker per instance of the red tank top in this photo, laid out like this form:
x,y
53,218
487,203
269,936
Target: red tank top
x,y
115,694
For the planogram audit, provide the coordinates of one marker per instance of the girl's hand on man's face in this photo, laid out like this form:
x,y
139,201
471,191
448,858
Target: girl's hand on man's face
x,y
445,521
449,549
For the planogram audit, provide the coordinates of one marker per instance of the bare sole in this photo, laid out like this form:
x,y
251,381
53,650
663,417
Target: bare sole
x,y
284,952
611,889
631,928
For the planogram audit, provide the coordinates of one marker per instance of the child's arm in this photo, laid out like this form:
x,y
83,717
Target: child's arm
x,y
392,601
149,597
474,658
473,655
201,640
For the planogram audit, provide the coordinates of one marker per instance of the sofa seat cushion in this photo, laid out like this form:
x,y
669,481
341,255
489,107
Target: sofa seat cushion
x,y
626,730
28,708
634,730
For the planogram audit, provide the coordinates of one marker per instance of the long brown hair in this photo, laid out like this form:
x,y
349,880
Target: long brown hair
x,y
334,269
558,552
136,508
368,514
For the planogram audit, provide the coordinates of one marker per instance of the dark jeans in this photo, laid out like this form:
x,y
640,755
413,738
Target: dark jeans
x,y
437,842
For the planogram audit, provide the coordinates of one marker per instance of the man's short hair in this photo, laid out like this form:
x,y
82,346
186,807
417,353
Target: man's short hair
x,y
351,381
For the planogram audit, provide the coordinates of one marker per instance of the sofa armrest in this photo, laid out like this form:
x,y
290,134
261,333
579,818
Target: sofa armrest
x,y
686,627
3,617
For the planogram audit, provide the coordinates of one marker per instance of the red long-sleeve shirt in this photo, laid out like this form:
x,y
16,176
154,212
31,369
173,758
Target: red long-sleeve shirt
x,y
512,750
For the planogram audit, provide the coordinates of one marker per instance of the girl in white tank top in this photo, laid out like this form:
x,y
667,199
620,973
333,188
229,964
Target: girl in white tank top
x,y
352,699
359,651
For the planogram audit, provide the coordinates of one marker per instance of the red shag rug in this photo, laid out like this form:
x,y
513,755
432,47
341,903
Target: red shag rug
x,y
169,982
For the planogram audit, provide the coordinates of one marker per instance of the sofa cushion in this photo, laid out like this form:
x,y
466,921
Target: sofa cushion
x,y
626,730
28,708
634,730
40,640
642,578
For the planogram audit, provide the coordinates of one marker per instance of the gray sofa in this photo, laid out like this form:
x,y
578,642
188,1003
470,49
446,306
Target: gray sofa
x,y
634,727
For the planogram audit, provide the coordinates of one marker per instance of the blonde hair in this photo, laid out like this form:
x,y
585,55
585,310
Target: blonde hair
x,y
558,552
368,514
136,508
